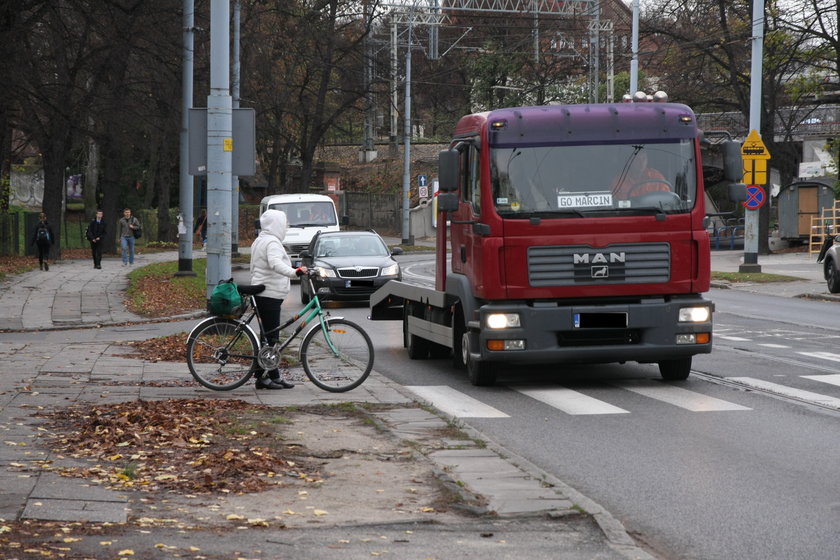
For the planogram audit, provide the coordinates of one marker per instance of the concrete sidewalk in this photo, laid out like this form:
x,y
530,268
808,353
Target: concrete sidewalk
x,y
56,357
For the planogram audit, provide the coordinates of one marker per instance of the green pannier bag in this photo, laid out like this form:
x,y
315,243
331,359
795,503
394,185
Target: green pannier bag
x,y
225,299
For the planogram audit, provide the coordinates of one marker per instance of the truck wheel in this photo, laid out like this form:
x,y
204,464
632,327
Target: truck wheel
x,y
832,276
418,348
438,351
675,370
480,373
457,339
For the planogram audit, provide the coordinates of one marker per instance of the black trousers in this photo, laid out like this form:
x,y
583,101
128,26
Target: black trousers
x,y
269,310
96,250
43,250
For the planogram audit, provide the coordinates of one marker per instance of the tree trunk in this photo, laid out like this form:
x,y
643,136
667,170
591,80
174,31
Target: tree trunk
x,y
91,179
111,179
54,152
163,192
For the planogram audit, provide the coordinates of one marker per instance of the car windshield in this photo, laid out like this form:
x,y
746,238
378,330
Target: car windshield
x,y
577,180
350,246
302,214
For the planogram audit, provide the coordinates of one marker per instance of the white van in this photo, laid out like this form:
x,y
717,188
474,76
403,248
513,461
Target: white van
x,y
307,214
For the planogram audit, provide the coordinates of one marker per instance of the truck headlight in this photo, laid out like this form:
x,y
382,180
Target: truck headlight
x,y
325,272
694,315
393,270
502,320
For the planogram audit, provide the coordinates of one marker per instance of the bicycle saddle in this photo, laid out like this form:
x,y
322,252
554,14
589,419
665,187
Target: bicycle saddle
x,y
249,289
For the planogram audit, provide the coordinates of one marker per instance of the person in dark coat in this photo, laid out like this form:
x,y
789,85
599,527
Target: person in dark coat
x,y
96,234
42,238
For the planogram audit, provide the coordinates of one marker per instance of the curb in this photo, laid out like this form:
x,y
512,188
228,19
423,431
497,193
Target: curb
x,y
614,531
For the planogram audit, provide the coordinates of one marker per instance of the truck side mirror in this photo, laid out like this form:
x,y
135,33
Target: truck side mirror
x,y
449,163
447,202
733,164
737,192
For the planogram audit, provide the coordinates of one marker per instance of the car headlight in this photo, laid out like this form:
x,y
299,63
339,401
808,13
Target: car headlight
x,y
393,270
324,272
502,320
694,315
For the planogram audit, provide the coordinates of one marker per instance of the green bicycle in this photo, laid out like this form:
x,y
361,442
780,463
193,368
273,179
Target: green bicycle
x,y
224,352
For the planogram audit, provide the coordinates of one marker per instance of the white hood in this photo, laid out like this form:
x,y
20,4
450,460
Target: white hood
x,y
274,222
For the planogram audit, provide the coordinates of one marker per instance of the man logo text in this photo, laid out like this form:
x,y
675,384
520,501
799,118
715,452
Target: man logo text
x,y
598,258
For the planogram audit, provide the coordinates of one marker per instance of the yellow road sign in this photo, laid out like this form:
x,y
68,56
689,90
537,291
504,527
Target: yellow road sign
x,y
755,171
754,148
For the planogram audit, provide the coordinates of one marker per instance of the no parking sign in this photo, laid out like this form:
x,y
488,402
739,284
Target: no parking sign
x,y
755,197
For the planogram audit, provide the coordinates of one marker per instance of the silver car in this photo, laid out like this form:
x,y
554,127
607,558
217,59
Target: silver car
x,y
830,259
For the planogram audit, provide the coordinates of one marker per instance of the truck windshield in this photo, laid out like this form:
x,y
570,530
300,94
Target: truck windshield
x,y
604,180
308,214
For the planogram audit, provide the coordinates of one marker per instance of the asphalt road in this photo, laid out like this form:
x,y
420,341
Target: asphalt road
x,y
737,462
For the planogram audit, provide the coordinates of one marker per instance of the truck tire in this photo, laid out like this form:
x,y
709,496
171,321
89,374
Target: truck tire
x,y
675,370
457,338
418,348
481,374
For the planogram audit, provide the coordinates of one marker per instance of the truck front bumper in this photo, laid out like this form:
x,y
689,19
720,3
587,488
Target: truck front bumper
x,y
649,330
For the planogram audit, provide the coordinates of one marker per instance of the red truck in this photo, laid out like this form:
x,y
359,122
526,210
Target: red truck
x,y
577,234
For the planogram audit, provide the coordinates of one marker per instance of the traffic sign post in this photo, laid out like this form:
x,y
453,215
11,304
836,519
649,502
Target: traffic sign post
x,y
755,156
755,197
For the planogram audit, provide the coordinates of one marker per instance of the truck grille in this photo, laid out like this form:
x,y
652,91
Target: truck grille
x,y
581,265
358,272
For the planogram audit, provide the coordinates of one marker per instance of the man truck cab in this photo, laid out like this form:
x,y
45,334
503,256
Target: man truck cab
x,y
307,215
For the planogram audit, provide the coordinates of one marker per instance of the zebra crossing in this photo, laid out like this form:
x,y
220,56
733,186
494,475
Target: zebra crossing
x,y
577,403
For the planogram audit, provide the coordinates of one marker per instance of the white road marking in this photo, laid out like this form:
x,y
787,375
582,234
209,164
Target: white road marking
x,y
822,355
677,396
833,379
799,394
774,345
733,338
570,402
455,403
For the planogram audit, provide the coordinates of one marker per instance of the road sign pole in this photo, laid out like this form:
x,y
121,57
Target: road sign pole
x,y
755,156
751,225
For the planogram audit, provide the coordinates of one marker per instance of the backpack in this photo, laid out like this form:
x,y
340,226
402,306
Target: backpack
x,y
225,299
42,233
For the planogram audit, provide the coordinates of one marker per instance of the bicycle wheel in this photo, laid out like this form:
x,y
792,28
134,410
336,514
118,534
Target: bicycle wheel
x,y
342,370
222,353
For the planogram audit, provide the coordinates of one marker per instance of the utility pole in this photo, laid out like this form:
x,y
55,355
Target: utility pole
x,y
219,147
234,179
406,185
634,42
392,137
185,179
751,221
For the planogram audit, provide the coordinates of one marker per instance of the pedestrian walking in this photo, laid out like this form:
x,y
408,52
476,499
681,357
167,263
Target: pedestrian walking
x,y
42,238
127,229
95,235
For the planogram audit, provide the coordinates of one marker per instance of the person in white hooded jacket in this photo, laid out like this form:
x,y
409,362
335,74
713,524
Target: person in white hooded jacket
x,y
271,266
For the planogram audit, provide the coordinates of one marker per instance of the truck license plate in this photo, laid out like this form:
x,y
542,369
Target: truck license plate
x,y
617,320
